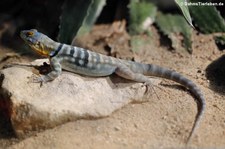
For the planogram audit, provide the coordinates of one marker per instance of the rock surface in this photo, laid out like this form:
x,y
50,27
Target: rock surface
x,y
69,97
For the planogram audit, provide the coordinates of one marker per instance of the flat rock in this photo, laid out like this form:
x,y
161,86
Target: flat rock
x,y
31,106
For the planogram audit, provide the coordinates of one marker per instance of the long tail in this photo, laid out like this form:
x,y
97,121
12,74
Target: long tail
x,y
154,70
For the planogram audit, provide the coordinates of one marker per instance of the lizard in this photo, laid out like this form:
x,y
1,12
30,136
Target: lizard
x,y
89,63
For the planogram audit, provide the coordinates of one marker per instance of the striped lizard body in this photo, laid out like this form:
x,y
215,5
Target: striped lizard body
x,y
82,61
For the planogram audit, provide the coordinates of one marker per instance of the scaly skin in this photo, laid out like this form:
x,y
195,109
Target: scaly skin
x,y
82,61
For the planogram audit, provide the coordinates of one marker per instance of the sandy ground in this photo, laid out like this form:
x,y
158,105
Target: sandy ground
x,y
164,122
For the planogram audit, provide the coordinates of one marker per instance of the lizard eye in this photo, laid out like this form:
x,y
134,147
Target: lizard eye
x,y
29,33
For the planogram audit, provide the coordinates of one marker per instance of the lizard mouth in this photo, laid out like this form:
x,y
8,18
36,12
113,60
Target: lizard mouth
x,y
39,49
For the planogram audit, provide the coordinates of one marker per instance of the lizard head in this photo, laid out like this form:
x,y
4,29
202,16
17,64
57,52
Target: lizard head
x,y
39,42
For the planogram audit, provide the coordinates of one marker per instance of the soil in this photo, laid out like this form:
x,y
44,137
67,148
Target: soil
x,y
164,122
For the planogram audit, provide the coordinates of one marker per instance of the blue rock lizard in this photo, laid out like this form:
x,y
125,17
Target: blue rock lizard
x,y
85,62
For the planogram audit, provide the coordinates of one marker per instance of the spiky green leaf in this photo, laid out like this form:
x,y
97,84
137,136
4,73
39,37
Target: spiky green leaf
x,y
184,8
207,18
93,13
73,14
175,24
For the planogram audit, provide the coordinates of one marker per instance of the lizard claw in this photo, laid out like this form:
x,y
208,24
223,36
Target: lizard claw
x,y
149,86
36,79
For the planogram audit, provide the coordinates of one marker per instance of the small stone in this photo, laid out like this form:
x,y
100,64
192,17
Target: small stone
x,y
164,117
117,128
199,71
135,125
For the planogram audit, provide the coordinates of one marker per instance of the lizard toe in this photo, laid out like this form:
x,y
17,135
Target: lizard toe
x,y
36,79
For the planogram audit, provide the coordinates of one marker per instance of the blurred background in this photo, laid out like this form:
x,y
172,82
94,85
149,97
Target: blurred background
x,y
63,20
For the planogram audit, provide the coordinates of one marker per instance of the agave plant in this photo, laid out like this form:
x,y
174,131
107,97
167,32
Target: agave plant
x,y
78,17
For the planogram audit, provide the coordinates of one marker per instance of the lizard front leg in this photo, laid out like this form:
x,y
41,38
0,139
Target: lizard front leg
x,y
56,71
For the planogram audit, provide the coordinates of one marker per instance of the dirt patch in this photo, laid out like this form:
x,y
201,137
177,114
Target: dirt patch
x,y
161,123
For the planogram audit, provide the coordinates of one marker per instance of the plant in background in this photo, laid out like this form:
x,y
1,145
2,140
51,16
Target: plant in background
x,y
77,18
142,15
172,25
206,18
73,14
209,21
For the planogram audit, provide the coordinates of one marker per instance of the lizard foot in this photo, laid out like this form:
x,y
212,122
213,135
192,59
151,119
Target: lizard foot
x,y
149,87
37,79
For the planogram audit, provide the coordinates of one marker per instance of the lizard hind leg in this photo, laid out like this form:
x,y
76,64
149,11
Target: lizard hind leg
x,y
127,73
